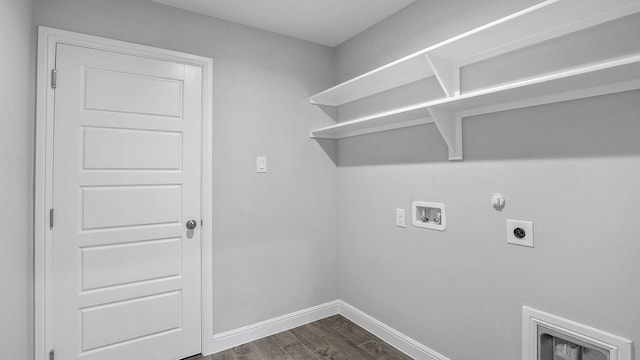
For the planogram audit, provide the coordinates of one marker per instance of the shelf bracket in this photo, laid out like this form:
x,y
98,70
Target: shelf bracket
x,y
449,123
447,73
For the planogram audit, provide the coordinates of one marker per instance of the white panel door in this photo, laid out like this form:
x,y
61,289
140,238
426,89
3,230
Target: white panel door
x,y
126,179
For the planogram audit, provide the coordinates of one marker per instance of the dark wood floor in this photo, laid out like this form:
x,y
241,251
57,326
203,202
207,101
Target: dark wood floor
x,y
333,338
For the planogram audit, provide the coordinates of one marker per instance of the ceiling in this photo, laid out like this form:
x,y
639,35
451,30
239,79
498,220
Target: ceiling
x,y
327,22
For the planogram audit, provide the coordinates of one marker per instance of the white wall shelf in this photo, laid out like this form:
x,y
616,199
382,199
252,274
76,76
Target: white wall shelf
x,y
397,73
545,21
388,120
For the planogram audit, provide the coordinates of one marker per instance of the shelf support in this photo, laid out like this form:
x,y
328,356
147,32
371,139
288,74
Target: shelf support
x,y
449,123
447,73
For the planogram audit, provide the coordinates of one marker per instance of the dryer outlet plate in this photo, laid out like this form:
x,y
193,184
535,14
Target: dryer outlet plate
x,y
520,232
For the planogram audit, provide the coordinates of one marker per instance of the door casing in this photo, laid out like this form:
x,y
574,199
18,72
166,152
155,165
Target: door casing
x,y
48,38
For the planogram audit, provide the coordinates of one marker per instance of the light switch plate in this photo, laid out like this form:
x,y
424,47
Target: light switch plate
x,y
520,232
400,218
261,164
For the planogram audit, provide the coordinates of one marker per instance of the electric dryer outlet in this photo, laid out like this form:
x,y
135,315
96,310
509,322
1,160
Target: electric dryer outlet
x,y
520,232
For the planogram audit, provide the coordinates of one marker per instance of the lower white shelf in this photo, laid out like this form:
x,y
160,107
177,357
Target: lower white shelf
x,y
601,78
607,77
394,119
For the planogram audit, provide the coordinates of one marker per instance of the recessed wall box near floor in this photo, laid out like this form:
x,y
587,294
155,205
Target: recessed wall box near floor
x,y
429,215
550,337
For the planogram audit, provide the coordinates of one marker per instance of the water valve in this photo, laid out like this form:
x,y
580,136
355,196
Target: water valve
x,y
497,201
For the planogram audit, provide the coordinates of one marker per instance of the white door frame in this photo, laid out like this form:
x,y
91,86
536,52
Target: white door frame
x,y
48,38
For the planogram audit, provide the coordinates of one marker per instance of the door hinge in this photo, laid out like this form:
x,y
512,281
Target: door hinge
x,y
51,219
54,78
51,354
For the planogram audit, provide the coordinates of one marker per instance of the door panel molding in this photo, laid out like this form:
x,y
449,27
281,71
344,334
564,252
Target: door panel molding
x,y
48,39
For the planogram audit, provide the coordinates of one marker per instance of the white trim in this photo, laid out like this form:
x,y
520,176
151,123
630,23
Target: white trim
x,y
47,40
619,348
393,337
390,335
229,339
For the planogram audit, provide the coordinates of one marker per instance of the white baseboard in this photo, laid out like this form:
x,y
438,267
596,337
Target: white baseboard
x,y
229,339
390,335
407,345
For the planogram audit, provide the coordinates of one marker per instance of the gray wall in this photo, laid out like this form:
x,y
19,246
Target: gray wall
x,y
274,234
16,183
572,168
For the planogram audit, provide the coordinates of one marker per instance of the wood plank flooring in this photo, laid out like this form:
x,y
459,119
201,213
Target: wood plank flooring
x,y
332,338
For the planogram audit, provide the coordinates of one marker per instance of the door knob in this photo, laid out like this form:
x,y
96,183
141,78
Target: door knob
x,y
191,224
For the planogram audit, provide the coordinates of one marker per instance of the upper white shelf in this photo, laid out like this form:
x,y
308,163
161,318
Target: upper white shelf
x,y
398,73
547,20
